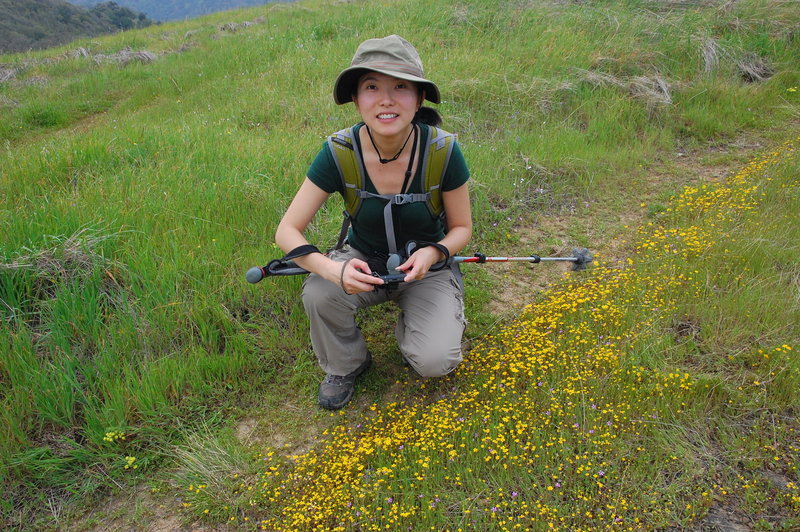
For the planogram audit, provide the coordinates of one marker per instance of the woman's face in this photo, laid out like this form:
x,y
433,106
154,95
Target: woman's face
x,y
386,104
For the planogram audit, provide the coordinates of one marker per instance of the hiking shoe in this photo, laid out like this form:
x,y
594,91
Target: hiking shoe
x,y
335,391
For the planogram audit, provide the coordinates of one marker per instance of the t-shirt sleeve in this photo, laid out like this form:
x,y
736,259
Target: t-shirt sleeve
x,y
323,171
457,171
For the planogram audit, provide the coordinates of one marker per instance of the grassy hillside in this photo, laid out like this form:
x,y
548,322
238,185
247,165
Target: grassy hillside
x,y
39,24
179,10
140,180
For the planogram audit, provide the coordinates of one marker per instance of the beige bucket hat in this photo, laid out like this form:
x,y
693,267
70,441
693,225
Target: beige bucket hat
x,y
393,56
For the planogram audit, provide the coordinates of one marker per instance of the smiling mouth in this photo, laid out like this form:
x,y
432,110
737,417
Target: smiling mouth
x,y
385,116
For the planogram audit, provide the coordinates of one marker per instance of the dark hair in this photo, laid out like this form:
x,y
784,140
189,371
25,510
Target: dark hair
x,y
428,116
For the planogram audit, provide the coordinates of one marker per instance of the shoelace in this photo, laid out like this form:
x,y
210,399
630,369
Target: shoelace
x,y
337,380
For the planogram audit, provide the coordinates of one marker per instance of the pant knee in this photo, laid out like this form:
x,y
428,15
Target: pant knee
x,y
317,294
437,364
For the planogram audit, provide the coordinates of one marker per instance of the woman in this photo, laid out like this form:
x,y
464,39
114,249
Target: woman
x,y
386,83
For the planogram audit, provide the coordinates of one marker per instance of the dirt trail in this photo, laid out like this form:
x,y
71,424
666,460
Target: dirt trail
x,y
610,233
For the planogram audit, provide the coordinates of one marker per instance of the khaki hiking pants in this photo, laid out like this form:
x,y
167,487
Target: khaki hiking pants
x,y
428,332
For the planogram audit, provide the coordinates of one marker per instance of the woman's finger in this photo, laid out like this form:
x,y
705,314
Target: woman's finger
x,y
356,277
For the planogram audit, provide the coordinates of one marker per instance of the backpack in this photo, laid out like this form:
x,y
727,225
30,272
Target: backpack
x,y
349,163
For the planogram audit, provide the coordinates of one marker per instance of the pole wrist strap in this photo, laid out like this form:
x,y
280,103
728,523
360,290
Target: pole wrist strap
x,y
299,251
413,245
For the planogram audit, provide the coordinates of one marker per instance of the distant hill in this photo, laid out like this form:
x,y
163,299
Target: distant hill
x,y
181,9
38,24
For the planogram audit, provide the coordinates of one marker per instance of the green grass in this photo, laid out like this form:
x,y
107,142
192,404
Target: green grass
x,y
133,198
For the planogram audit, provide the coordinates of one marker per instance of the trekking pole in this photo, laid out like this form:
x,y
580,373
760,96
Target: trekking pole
x,y
273,268
580,258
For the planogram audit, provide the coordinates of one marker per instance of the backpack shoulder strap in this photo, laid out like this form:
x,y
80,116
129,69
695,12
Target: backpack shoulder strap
x,y
435,159
348,161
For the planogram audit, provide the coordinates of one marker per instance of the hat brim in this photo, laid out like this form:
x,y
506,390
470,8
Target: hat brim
x,y
345,84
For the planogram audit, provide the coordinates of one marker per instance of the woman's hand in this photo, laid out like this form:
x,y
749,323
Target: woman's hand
x,y
420,262
459,220
355,276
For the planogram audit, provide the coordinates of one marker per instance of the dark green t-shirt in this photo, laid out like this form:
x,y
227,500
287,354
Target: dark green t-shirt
x,y
412,221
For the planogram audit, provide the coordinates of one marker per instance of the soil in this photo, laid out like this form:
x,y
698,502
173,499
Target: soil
x,y
138,509
721,519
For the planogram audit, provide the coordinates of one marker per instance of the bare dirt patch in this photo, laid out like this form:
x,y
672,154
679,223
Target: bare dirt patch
x,y
136,509
269,431
721,519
